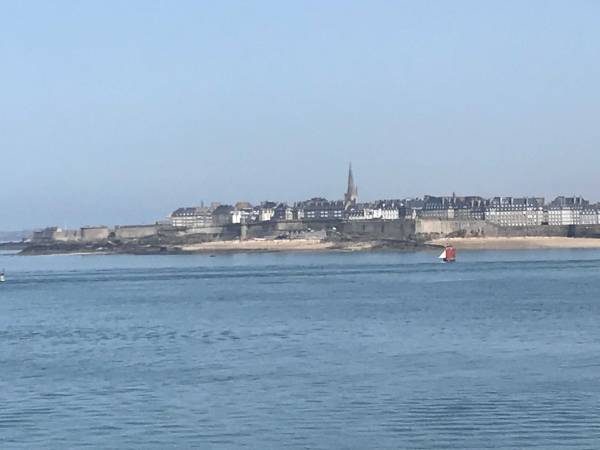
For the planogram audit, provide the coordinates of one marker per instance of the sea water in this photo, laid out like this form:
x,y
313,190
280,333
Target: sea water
x,y
301,350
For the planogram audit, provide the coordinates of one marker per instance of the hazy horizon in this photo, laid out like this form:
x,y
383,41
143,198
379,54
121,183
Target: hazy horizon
x,y
121,112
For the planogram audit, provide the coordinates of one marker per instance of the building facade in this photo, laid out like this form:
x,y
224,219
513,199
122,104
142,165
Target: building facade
x,y
266,211
193,217
283,212
322,209
222,215
515,215
573,216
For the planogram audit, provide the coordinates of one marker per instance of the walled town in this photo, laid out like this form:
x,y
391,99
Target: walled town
x,y
341,224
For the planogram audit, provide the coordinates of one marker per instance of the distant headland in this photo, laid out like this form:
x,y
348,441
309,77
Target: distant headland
x,y
342,225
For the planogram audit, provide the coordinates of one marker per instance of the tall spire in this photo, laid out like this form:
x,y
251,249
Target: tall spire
x,y
351,194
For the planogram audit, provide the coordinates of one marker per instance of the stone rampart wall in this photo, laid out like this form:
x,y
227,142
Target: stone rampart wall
x,y
94,234
66,236
401,229
135,232
439,228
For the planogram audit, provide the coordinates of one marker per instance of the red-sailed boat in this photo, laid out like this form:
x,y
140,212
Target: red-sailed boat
x,y
449,254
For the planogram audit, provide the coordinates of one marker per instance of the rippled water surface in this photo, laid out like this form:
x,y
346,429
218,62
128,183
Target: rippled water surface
x,y
319,351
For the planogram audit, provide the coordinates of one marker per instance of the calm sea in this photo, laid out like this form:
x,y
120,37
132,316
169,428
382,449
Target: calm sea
x,y
319,351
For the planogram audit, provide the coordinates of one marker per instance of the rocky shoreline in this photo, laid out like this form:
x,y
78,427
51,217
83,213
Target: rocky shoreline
x,y
12,246
298,245
226,246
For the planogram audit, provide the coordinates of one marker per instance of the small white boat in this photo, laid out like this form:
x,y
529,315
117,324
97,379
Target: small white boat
x,y
2,277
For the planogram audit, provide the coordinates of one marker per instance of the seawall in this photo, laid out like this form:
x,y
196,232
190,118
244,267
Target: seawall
x,y
398,230
427,229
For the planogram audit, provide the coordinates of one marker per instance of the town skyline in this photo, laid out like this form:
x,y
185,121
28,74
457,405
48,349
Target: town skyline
x,y
349,206
343,198
404,221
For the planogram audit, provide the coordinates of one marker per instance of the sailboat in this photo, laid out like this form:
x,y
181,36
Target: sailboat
x,y
449,254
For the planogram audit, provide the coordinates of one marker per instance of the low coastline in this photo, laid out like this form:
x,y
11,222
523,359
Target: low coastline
x,y
225,246
316,245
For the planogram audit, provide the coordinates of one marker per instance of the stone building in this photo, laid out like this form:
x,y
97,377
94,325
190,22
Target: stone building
x,y
266,211
283,212
94,234
194,217
49,234
573,216
383,210
453,207
132,232
569,202
362,213
516,211
516,215
572,211
321,209
222,215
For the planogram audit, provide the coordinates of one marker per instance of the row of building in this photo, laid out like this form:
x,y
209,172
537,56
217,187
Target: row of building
x,y
505,211
512,211
243,212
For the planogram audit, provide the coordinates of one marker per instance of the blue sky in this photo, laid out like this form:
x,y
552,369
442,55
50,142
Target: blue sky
x,y
119,112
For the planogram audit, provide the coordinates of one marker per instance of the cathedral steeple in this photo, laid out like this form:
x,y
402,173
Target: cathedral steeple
x,y
351,194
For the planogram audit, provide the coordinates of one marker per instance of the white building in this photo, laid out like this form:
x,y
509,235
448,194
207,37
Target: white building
x,y
236,216
515,215
389,213
381,213
573,216
361,214
265,214
434,212
589,217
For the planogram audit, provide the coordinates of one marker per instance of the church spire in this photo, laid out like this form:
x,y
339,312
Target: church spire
x,y
351,194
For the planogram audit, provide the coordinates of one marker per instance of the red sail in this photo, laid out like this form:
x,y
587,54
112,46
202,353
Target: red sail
x,y
450,254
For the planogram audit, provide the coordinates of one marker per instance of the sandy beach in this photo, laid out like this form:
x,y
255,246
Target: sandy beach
x,y
257,245
515,243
